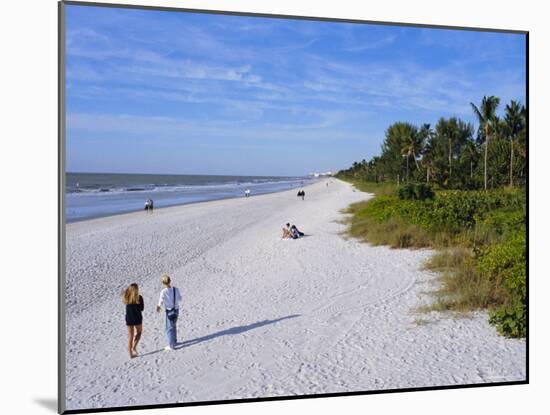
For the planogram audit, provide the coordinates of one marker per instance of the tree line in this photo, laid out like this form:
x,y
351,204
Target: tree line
x,y
452,154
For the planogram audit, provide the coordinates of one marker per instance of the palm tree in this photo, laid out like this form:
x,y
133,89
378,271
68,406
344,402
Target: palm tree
x,y
374,168
471,152
355,168
413,141
486,117
425,134
514,125
449,133
397,146
428,159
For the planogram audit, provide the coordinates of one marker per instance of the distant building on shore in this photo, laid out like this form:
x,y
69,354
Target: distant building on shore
x,y
324,174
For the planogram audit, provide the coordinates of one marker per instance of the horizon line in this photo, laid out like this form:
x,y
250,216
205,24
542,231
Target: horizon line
x,y
190,174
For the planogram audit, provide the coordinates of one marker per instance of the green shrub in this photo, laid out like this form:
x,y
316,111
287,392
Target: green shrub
x,y
502,222
505,263
406,192
415,191
510,321
423,191
449,211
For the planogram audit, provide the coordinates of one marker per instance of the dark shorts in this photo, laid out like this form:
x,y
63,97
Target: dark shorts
x,y
133,322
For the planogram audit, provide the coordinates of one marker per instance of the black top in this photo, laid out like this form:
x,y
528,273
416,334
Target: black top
x,y
133,313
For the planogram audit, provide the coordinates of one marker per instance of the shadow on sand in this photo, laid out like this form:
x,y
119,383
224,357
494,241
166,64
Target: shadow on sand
x,y
232,331
227,332
307,235
48,403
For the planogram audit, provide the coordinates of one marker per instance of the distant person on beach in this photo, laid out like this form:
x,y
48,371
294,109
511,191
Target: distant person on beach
x,y
291,232
149,204
134,319
303,194
170,298
286,232
247,193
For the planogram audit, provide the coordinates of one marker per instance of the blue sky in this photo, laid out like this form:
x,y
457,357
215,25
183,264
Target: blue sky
x,y
166,92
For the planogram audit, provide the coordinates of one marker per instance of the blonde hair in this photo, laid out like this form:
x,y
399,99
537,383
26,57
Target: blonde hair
x,y
166,279
131,294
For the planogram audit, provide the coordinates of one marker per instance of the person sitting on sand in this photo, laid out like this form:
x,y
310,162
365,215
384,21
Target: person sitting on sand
x,y
287,234
295,231
134,319
170,298
288,231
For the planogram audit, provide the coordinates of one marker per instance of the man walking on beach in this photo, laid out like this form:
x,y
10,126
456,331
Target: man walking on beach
x,y
170,298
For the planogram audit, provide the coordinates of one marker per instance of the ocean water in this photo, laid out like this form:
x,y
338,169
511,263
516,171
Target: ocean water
x,y
93,195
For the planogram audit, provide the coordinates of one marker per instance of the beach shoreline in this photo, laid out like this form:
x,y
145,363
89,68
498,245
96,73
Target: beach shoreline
x,y
191,202
262,316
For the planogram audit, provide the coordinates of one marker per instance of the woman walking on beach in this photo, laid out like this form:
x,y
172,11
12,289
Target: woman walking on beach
x,y
170,298
134,318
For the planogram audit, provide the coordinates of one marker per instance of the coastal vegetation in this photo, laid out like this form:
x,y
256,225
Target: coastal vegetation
x,y
463,193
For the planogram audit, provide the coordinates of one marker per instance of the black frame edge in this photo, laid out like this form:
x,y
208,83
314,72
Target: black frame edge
x,y
61,28
292,17
292,397
527,205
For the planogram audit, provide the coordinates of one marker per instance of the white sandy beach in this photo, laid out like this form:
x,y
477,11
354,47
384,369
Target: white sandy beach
x,y
263,316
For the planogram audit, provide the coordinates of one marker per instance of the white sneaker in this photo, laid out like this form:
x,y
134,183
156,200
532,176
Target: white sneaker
x,y
168,348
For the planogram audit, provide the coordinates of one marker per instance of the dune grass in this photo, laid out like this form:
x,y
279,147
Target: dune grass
x,y
463,287
380,189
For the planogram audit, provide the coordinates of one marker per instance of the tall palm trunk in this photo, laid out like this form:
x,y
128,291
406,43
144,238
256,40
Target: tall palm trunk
x,y
485,161
450,160
511,162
